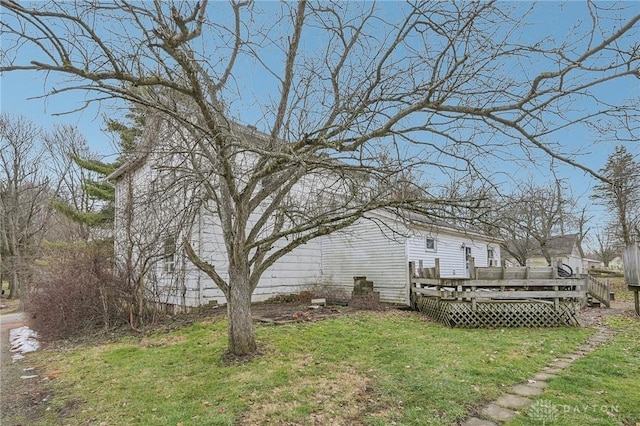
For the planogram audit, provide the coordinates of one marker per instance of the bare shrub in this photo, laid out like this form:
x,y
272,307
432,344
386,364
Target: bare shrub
x,y
334,294
74,290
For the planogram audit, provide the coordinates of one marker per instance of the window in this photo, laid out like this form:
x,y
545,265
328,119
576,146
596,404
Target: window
x,y
430,244
491,259
169,255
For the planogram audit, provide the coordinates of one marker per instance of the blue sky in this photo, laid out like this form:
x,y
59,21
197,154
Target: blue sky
x,y
18,93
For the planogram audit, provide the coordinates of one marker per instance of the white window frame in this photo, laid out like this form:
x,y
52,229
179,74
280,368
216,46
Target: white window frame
x,y
434,243
169,249
491,257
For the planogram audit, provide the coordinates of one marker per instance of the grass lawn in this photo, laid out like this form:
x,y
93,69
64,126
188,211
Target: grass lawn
x,y
619,287
600,389
367,368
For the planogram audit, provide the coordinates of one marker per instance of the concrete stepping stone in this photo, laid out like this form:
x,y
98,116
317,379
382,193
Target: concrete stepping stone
x,y
544,376
526,390
506,406
561,363
474,421
513,401
498,413
538,384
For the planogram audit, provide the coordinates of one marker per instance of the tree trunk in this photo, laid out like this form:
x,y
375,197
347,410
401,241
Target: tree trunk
x,y
13,284
242,340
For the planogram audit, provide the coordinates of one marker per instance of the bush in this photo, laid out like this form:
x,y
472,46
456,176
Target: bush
x,y
73,290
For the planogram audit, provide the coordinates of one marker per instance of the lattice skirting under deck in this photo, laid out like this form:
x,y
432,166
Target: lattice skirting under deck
x,y
497,314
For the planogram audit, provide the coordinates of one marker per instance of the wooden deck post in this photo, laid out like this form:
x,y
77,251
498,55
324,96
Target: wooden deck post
x,y
410,295
437,268
472,268
474,306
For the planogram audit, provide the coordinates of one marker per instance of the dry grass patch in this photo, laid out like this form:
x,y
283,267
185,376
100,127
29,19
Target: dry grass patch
x,y
619,287
340,399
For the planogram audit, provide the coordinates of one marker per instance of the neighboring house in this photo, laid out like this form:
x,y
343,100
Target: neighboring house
x,y
562,248
616,264
591,264
378,246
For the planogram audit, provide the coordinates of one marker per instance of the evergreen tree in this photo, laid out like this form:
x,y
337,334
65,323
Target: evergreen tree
x,y
99,189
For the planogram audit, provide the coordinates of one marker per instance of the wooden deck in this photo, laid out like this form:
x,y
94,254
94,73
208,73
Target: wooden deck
x,y
499,297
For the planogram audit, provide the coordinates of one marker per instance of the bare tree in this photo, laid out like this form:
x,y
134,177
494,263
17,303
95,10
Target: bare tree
x,y
24,194
531,215
64,143
606,246
444,87
620,194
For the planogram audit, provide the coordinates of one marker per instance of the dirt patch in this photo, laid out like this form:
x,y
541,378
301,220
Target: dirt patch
x,y
592,317
298,313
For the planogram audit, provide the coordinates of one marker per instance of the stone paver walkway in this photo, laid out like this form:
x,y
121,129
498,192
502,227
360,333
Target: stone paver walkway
x,y
509,405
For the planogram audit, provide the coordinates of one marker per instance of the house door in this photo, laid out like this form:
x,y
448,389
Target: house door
x,y
467,258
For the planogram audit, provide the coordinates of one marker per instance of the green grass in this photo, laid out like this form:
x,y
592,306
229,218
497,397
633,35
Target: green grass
x,y
600,389
370,368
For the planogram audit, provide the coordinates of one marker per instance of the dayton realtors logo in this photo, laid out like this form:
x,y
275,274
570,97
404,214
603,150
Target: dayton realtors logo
x,y
547,413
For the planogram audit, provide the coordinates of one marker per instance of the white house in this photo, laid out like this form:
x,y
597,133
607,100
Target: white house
x,y
378,246
381,246
563,248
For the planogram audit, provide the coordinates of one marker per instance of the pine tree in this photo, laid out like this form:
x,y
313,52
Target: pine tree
x,y
99,189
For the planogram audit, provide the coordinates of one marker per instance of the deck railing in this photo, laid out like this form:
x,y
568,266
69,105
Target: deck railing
x,y
599,290
540,285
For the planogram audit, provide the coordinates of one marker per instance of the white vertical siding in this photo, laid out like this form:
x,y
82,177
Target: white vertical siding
x,y
365,249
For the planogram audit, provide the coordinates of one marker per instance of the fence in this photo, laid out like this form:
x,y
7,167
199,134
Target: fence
x,y
599,290
631,262
498,297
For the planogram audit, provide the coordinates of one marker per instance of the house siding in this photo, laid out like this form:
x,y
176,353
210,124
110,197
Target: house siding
x,y
294,272
378,247
366,249
450,250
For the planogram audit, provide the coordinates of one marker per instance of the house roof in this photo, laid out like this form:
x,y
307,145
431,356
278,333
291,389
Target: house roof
x,y
413,219
426,222
560,245
149,137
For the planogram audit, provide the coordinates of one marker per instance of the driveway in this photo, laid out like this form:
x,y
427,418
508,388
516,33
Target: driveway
x,y
21,399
